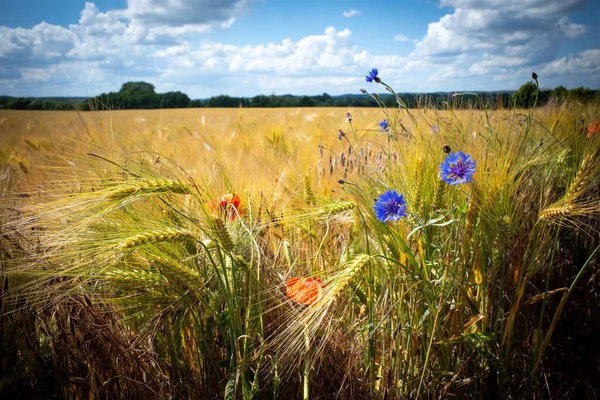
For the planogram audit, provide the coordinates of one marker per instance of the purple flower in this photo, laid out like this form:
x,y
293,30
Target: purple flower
x,y
434,129
390,206
348,117
383,125
341,134
372,76
457,168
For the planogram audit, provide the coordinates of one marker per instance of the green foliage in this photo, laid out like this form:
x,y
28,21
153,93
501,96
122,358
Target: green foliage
x,y
559,94
526,96
142,95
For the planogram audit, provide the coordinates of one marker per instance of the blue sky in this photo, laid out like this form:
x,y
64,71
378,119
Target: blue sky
x,y
250,47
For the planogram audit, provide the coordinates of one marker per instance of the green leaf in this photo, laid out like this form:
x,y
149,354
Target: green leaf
x,y
230,388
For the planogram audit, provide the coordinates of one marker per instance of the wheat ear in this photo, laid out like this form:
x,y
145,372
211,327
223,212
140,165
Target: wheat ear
x,y
165,235
151,186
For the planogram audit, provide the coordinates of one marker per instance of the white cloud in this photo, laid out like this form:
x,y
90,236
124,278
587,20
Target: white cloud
x,y
569,29
585,63
351,13
478,45
176,13
35,74
504,38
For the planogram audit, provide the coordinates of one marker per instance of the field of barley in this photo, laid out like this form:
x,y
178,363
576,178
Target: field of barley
x,y
300,253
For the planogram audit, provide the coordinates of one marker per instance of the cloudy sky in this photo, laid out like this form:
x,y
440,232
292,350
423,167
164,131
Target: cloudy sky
x,y
250,47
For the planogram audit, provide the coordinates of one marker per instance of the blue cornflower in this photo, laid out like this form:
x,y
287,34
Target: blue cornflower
x,y
372,76
383,125
457,168
390,206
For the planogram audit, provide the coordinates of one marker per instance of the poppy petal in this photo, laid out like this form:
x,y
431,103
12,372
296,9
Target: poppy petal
x,y
304,290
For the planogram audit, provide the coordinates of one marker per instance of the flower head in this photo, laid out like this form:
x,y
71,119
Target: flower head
x,y
390,206
593,129
434,129
383,125
229,201
348,117
341,134
304,290
372,76
457,168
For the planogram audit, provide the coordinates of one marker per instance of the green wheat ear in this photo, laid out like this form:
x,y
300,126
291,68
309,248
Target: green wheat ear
x,y
150,186
346,277
336,208
166,235
223,235
418,187
439,195
309,195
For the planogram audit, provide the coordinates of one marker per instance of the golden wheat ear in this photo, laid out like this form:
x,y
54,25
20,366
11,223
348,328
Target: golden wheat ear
x,y
576,201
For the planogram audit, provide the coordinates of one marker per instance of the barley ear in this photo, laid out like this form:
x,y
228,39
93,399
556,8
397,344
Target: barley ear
x,y
223,235
166,235
309,196
150,186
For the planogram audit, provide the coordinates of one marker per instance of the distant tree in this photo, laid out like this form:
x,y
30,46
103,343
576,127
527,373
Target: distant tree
x,y
582,94
174,100
526,95
306,101
559,94
324,100
138,95
196,104
19,103
264,101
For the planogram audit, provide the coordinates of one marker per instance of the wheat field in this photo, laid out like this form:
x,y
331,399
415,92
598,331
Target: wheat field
x,y
299,253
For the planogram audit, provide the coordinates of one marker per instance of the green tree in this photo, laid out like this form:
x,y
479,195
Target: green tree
x,y
174,100
526,96
559,94
306,101
138,95
581,94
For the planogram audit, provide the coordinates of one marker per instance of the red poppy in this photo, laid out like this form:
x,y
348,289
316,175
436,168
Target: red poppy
x,y
593,129
304,290
227,201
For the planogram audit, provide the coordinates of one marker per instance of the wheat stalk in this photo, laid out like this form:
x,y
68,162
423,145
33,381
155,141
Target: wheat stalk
x,y
584,176
223,234
309,195
151,186
166,235
555,211
439,195
336,208
345,278
418,186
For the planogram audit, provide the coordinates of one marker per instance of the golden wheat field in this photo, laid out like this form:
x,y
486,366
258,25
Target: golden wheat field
x,y
300,253
259,146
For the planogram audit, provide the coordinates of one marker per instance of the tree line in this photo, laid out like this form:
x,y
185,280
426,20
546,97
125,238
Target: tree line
x,y
142,95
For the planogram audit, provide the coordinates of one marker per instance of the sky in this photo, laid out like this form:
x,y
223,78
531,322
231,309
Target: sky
x,y
207,48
